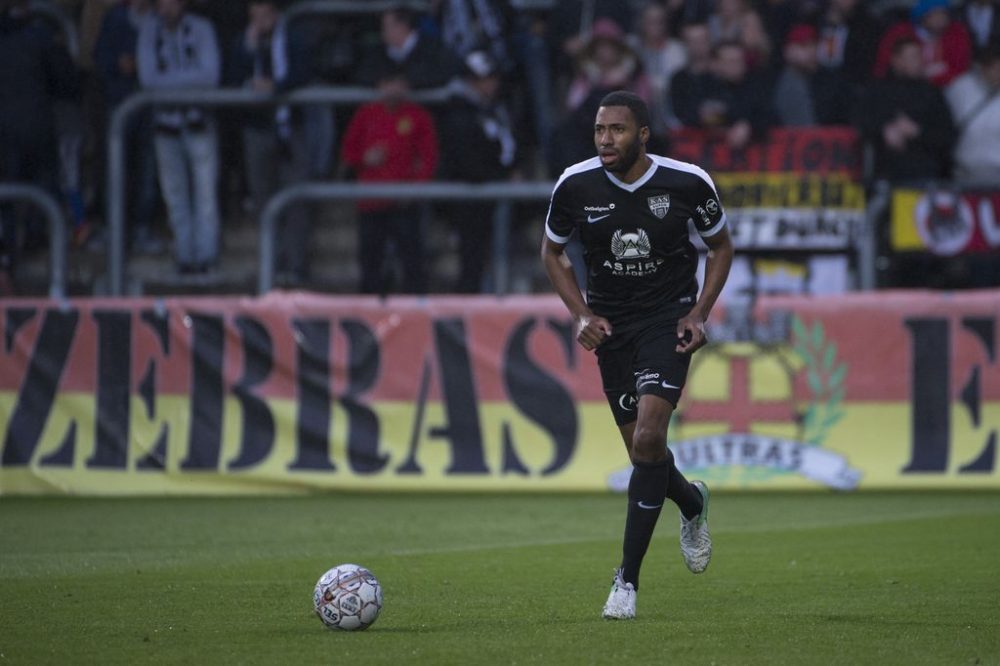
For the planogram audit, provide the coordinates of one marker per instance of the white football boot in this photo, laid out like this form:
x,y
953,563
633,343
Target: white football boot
x,y
696,542
621,601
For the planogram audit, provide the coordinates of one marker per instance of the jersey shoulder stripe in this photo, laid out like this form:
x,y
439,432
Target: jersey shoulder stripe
x,y
698,172
579,167
687,167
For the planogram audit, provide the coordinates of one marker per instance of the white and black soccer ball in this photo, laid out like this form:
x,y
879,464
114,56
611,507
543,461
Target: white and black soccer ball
x,y
348,597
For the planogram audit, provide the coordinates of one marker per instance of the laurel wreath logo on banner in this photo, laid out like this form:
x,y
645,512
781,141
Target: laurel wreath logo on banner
x,y
825,378
753,459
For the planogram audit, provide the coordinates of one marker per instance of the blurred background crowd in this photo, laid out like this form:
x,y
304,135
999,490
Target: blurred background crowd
x,y
520,83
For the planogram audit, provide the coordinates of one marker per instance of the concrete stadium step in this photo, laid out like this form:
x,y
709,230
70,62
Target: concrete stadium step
x,y
333,261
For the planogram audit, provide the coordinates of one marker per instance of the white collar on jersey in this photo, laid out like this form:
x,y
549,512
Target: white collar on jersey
x,y
632,187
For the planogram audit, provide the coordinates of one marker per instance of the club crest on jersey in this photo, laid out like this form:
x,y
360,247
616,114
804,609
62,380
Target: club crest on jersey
x,y
659,205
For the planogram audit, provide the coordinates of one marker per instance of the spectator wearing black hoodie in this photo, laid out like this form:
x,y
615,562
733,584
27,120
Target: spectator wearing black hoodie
x,y
424,60
35,72
906,119
272,57
478,146
848,38
735,103
117,69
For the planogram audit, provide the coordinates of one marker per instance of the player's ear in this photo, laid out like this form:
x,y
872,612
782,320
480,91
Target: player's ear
x,y
644,134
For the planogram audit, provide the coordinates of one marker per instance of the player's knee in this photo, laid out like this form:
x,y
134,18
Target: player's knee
x,y
649,445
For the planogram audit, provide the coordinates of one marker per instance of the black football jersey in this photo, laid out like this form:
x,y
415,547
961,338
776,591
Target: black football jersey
x,y
640,259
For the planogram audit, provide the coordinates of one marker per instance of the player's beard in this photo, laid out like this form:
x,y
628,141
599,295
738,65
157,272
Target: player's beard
x,y
628,159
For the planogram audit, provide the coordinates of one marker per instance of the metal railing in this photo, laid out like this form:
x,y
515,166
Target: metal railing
x,y
116,170
57,229
866,244
862,236
504,193
437,191
58,16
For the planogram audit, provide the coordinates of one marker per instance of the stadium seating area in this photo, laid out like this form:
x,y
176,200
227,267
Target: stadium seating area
x,y
511,87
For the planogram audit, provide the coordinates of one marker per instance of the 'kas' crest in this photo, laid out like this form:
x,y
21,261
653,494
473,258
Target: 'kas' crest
x,y
659,205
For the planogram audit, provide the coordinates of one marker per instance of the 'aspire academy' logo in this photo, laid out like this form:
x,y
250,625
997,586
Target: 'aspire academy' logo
x,y
742,420
630,245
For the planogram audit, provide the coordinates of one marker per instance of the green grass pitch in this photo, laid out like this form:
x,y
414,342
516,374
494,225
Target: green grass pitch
x,y
506,579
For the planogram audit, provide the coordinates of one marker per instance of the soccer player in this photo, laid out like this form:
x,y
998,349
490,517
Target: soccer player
x,y
642,316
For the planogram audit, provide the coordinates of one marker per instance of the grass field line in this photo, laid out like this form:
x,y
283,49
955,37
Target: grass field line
x,y
739,529
98,560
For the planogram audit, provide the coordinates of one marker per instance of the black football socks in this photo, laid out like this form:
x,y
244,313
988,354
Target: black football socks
x,y
683,494
647,490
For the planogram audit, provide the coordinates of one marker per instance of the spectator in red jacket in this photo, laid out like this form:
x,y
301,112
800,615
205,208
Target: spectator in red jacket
x,y
391,140
946,45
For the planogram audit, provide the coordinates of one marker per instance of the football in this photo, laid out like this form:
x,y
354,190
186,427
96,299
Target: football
x,y
348,597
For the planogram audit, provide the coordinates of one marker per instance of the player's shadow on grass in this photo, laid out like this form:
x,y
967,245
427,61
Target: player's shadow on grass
x,y
379,628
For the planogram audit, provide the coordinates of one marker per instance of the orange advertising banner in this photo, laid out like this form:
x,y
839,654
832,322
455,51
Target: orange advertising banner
x,y
294,392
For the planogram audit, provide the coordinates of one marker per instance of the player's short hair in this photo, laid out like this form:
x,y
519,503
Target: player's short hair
x,y
634,103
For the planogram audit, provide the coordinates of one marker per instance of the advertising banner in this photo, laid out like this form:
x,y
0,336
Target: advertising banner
x,y
795,205
814,150
795,233
294,393
945,222
792,212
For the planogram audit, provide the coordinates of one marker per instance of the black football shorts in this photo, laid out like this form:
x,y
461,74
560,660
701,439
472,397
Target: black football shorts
x,y
642,361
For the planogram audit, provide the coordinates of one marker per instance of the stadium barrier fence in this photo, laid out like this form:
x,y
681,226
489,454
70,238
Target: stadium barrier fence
x,y
58,235
215,98
807,232
57,17
437,191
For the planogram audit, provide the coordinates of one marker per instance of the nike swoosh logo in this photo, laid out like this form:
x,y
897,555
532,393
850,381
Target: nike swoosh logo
x,y
666,385
591,219
643,505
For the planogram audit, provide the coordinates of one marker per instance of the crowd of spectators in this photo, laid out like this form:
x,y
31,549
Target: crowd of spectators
x,y
919,79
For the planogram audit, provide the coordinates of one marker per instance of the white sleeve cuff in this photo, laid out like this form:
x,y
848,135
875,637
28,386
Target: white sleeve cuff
x,y
554,237
714,230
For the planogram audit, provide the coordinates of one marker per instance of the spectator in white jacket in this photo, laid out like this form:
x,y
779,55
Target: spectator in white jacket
x,y
177,50
974,98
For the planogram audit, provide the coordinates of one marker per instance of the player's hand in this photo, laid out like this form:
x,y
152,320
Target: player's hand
x,y
691,334
591,331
